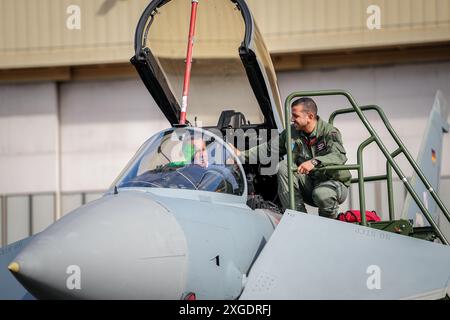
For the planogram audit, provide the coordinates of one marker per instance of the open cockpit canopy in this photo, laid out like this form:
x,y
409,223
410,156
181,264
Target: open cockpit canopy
x,y
231,67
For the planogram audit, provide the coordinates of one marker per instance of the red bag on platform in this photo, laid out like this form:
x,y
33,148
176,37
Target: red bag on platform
x,y
355,216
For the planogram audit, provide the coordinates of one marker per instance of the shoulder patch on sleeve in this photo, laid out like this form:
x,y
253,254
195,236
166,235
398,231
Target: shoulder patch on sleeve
x,y
334,135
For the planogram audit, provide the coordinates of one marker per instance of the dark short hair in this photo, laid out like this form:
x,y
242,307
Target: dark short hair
x,y
308,105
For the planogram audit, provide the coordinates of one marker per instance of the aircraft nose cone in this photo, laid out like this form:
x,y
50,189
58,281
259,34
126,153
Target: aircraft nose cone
x,y
14,267
124,246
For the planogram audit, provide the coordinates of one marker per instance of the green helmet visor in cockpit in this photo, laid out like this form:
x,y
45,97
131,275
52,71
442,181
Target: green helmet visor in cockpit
x,y
188,153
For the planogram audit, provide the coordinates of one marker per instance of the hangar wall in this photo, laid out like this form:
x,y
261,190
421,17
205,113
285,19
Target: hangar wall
x,y
103,123
28,135
34,33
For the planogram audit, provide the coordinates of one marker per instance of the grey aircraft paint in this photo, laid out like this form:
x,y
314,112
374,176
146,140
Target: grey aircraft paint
x,y
310,257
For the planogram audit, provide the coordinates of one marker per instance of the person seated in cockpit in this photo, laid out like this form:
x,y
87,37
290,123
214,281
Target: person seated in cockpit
x,y
195,153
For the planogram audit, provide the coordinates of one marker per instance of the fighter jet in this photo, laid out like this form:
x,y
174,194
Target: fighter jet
x,y
186,219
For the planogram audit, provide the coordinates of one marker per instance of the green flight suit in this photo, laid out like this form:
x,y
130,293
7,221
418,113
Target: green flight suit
x,y
322,189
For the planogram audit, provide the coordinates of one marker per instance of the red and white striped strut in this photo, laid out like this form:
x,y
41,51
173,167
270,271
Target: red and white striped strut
x,y
187,72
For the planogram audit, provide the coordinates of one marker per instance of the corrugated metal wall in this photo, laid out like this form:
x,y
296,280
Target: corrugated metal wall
x,y
315,25
290,17
34,33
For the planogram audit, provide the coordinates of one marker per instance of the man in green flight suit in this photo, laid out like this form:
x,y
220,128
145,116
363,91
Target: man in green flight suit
x,y
315,143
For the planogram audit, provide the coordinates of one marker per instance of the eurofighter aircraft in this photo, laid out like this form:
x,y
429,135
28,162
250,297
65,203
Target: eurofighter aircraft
x,y
186,219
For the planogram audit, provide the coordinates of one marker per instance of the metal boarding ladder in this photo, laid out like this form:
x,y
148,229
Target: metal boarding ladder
x,y
390,161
